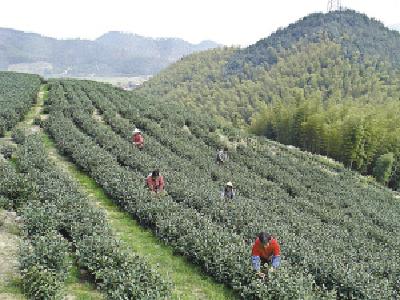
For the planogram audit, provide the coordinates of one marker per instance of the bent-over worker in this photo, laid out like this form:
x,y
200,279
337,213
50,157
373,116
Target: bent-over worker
x,y
155,182
228,192
222,156
265,249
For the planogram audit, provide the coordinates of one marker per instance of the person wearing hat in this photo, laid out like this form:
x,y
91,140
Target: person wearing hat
x,y
137,139
265,249
155,182
228,192
222,156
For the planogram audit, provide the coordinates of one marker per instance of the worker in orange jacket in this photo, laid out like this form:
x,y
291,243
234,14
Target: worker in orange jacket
x,y
266,249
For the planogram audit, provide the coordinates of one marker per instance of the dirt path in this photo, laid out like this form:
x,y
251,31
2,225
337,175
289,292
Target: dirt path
x,y
9,243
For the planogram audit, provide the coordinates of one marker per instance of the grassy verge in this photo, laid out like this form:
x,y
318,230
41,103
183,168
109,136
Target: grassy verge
x,y
78,287
12,290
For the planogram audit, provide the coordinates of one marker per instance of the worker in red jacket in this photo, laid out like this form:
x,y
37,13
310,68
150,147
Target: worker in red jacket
x,y
155,182
265,249
137,139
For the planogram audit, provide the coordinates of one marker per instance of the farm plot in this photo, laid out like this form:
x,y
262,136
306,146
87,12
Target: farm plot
x,y
347,210
314,235
58,218
191,233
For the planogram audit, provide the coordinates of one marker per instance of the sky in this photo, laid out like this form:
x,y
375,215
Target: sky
x,y
229,22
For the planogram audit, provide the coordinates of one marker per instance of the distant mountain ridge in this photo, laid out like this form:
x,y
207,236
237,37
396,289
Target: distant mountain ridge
x,y
113,53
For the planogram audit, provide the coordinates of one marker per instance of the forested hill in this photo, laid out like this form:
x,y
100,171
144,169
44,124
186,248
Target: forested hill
x,y
114,53
356,33
329,84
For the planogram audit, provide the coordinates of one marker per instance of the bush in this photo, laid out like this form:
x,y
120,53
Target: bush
x,y
7,151
383,168
44,266
18,135
60,206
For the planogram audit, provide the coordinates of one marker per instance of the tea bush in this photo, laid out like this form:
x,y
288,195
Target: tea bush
x,y
61,207
332,225
178,224
17,95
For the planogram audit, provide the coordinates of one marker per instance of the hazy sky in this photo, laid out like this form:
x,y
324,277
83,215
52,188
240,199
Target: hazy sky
x,y
230,22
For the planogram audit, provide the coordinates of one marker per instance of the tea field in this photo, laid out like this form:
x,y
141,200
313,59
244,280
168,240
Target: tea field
x,y
338,231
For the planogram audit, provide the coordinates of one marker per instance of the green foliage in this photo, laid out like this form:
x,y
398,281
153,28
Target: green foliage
x,y
44,264
17,94
310,200
383,168
18,135
320,84
59,206
5,203
355,32
16,188
7,150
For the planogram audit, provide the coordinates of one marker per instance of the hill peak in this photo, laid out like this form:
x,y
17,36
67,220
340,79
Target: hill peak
x,y
354,31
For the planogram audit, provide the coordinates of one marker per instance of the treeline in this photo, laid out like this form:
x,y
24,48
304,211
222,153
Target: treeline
x,y
323,102
365,137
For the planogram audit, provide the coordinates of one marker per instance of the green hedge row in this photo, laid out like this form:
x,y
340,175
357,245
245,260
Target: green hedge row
x,y
62,207
183,227
43,254
334,210
18,93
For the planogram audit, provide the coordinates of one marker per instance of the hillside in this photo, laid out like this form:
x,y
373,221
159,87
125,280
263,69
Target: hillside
x,y
114,53
338,231
328,83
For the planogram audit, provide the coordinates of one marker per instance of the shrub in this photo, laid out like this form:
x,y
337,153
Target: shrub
x,y
44,266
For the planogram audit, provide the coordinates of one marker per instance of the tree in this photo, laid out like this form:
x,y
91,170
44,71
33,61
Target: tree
x,y
383,168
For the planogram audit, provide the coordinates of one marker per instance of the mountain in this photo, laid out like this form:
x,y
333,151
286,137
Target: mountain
x,y
356,33
329,84
114,53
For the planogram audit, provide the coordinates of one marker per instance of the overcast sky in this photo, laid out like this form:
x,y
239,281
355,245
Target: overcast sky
x,y
229,22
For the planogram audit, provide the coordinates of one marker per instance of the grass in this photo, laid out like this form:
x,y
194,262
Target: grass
x,y
13,290
189,280
79,287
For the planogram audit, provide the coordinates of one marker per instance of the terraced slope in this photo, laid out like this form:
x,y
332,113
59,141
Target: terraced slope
x,y
336,227
72,272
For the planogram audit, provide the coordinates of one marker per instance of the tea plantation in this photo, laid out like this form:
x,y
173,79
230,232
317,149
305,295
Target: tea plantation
x,y
338,231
